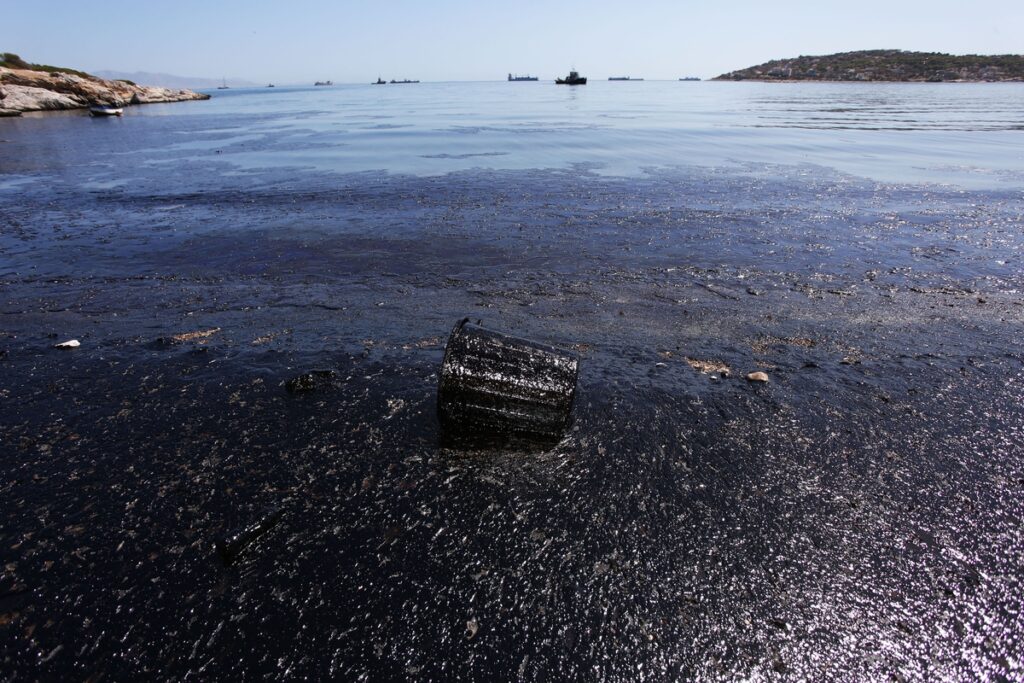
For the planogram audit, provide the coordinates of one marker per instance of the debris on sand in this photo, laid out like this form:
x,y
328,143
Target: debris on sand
x,y
310,381
471,628
194,336
428,343
763,344
709,367
757,377
69,344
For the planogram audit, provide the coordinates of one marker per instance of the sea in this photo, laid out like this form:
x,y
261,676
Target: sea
x,y
855,517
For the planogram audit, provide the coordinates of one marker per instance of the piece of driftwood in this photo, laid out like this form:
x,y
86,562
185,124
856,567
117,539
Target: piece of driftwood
x,y
494,386
230,546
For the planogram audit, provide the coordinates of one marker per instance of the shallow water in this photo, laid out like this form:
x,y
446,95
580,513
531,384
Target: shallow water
x,y
858,517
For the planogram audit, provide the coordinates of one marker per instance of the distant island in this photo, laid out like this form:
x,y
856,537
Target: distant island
x,y
40,87
886,65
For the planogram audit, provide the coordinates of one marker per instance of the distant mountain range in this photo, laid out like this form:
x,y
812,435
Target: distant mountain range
x,y
886,65
172,81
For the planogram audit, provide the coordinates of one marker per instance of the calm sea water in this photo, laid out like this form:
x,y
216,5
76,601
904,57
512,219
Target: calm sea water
x,y
855,518
962,134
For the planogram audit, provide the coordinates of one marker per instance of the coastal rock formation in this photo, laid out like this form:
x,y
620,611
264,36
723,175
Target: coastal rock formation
x,y
886,65
34,90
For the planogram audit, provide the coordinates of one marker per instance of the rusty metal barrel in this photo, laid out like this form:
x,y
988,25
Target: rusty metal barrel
x,y
494,386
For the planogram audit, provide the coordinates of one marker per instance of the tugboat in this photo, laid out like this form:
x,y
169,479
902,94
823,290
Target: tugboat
x,y
380,81
572,79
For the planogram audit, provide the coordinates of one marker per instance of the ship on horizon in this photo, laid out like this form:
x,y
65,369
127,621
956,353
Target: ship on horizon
x,y
516,77
623,78
573,78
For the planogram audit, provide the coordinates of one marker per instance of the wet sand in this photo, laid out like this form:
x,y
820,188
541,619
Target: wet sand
x,y
857,517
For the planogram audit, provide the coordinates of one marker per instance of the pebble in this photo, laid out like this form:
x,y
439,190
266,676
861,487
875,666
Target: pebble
x,y
757,377
70,344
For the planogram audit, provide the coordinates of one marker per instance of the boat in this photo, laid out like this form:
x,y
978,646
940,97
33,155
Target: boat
x,y
324,83
270,85
690,78
404,80
223,84
104,110
521,78
380,81
572,79
623,78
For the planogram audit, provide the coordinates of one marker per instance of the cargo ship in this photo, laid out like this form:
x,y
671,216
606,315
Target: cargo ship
x,y
521,78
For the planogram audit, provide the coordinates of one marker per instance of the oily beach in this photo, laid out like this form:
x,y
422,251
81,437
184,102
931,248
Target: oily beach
x,y
857,515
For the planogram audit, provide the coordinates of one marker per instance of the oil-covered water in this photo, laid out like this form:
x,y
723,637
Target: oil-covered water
x,y
857,517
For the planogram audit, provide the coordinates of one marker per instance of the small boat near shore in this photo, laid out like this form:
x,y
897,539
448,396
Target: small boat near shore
x,y
690,78
104,110
573,78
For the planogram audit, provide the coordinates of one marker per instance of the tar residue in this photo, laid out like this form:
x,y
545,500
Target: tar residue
x,y
857,517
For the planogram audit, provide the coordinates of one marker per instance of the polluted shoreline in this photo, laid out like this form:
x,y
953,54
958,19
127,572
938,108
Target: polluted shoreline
x,y
856,514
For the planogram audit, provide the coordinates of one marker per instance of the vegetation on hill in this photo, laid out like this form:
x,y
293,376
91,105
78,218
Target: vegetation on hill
x,y
886,65
13,61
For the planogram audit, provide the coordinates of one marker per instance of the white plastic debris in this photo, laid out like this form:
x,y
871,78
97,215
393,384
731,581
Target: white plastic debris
x,y
70,344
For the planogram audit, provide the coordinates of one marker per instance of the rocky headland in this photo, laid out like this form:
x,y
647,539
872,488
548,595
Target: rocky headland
x,y
886,65
32,87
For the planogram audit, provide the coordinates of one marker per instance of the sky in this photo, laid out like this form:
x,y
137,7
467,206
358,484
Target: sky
x,y
297,41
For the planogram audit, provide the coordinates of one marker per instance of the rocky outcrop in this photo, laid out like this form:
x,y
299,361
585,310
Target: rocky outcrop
x,y
30,90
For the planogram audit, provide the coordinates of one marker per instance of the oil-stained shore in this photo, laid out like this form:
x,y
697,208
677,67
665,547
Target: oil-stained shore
x,y
858,517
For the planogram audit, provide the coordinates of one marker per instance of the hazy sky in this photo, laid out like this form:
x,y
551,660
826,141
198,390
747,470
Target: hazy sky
x,y
355,40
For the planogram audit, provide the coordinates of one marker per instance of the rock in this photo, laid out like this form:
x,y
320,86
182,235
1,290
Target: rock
x,y
757,377
30,90
9,112
70,344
